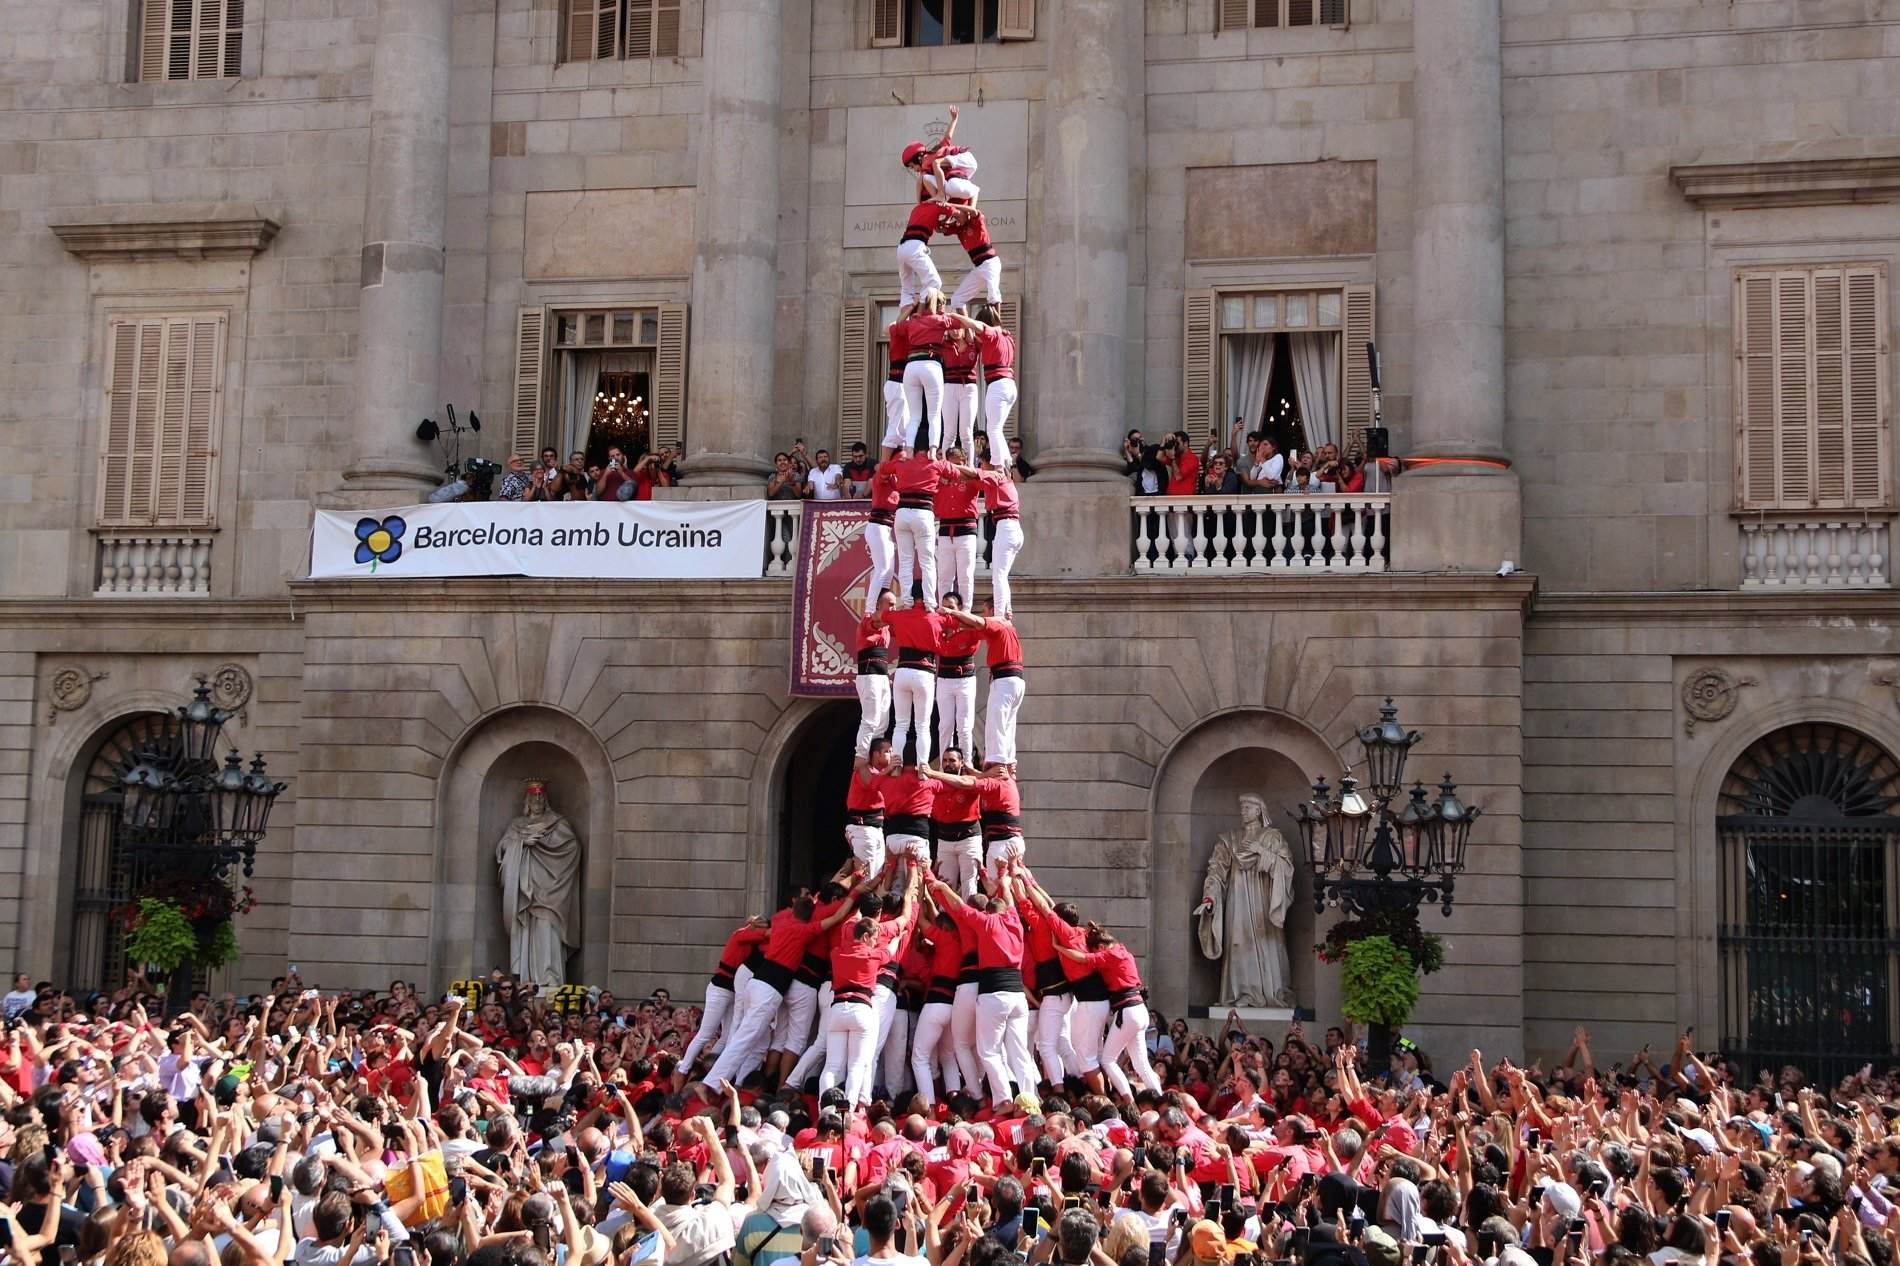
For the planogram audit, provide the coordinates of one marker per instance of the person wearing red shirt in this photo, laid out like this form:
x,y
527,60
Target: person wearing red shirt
x,y
908,796
986,267
931,1045
1007,685
927,331
1002,812
917,273
959,387
719,990
896,409
859,954
957,541
1004,504
880,534
1002,1012
873,650
918,476
956,679
787,935
996,349
957,826
1128,1032
864,807
1045,921
917,633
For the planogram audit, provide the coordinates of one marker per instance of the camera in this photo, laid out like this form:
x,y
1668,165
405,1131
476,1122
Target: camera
x,y
480,468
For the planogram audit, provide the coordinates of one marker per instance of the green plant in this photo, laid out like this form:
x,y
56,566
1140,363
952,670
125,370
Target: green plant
x,y
1379,983
1401,927
220,947
161,935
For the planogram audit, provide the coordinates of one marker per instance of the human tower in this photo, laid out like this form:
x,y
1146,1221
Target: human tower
x,y
921,973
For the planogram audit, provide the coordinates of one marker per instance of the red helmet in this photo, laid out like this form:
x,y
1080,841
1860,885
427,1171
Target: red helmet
x,y
911,151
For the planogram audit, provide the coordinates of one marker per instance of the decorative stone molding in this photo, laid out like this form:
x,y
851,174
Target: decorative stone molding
x,y
1710,694
1795,183
133,232
230,687
69,689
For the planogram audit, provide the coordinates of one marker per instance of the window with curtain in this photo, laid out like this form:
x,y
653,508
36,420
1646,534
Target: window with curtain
x,y
578,372
1289,361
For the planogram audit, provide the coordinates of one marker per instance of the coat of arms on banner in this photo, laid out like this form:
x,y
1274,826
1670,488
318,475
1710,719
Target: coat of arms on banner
x,y
828,597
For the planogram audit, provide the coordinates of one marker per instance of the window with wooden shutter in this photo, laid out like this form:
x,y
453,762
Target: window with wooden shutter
x,y
855,345
1016,20
669,378
1239,15
1356,330
1197,364
1235,15
593,30
531,358
653,28
190,39
158,444
887,23
1811,390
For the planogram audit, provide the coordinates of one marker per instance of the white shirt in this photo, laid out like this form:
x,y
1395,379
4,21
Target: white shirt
x,y
1269,470
180,1078
827,482
895,1259
18,1001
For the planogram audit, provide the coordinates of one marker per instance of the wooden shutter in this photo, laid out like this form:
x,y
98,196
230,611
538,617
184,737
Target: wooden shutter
x,y
233,38
887,23
1011,313
530,366
1830,389
593,28
158,445
669,378
1355,396
1234,15
188,451
1299,12
1794,374
1754,388
1198,348
1332,12
1016,20
1868,407
130,432
854,373
154,23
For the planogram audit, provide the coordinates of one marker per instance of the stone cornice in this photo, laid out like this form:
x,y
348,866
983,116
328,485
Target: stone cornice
x,y
135,232
1791,183
1803,607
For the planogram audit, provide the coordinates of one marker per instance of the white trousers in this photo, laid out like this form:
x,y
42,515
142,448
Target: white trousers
x,y
998,399
963,1038
746,1048
1020,1053
916,272
1003,550
985,279
961,188
999,719
931,1048
956,716
874,709
850,1050
913,690
793,1031
741,980
867,845
712,1019
1128,1035
960,861
1088,1024
1052,1037
912,846
923,398
956,567
813,1059
881,543
896,416
1004,848
1000,1026
893,1037
959,418
916,555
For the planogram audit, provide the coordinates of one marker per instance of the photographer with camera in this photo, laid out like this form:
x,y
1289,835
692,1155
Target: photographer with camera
x,y
1141,465
613,476
1183,467
576,483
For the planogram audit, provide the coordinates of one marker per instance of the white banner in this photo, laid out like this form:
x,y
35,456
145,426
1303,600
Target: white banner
x,y
618,540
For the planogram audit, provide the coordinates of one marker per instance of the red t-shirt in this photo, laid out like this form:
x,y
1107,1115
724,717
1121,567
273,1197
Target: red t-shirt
x,y
1005,649
918,476
1184,481
926,221
916,628
865,795
997,346
907,793
956,500
872,634
1000,495
954,804
884,489
928,332
998,937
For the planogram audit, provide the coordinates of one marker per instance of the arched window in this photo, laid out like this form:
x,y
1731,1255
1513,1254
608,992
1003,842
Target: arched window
x,y
1810,902
102,878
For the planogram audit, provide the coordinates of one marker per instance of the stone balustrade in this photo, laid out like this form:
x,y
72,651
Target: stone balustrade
x,y
1319,532
1816,552
171,564
781,539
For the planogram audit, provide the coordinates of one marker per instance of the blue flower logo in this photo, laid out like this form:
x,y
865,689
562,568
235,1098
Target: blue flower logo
x,y
379,540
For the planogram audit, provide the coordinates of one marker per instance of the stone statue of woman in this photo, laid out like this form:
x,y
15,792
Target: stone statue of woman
x,y
539,858
1242,915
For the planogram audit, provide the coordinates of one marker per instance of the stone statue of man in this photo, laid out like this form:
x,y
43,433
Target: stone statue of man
x,y
1242,915
539,858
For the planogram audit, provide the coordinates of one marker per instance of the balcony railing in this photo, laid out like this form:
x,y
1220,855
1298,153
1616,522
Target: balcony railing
x,y
781,539
1318,532
1818,552
151,564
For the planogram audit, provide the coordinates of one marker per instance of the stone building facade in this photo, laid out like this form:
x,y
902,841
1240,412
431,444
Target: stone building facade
x,y
1627,266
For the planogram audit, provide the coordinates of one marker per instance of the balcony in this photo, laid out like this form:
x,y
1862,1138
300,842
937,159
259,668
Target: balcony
x,y
1816,552
1322,532
153,563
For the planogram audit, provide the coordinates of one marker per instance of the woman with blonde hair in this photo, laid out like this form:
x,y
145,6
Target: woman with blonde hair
x,y
137,1248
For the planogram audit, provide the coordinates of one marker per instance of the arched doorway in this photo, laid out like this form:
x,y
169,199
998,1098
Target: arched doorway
x,y
1809,849
816,774
99,872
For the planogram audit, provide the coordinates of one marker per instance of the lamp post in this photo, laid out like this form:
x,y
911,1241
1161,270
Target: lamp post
x,y
1377,862
187,815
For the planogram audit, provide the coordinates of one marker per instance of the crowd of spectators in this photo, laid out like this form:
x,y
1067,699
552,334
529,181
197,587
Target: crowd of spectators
x,y
616,478
798,477
497,1128
1249,464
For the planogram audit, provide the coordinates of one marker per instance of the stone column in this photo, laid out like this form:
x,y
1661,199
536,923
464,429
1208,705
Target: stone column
x,y
730,406
1460,509
399,323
